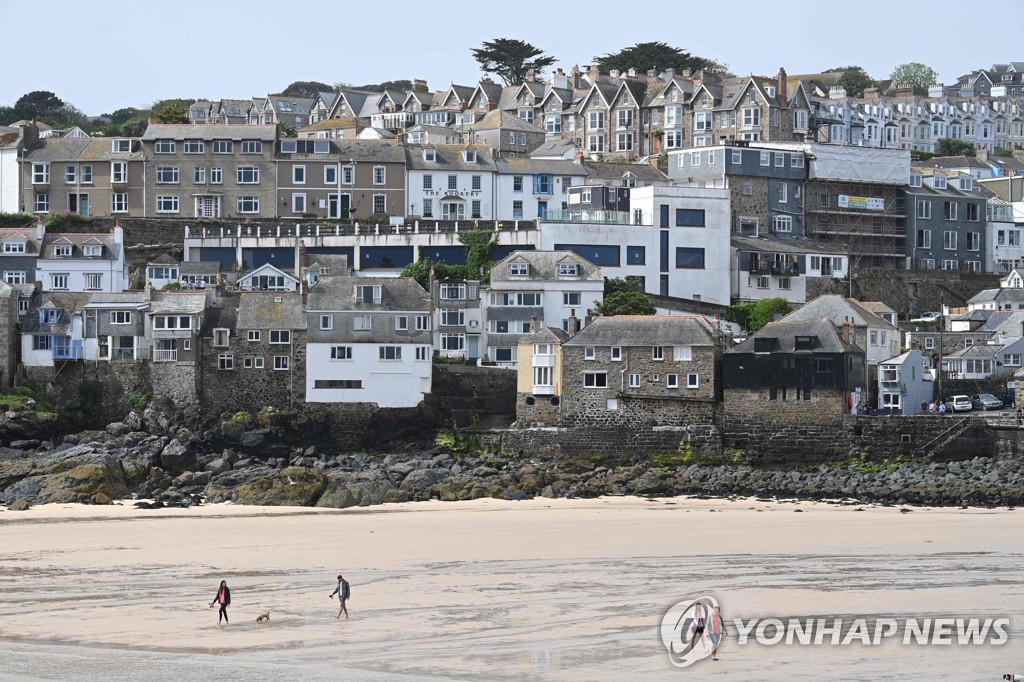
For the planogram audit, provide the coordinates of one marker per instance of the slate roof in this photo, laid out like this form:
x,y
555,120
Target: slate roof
x,y
69,303
784,333
199,267
544,266
163,259
978,350
524,166
952,162
231,131
76,149
376,151
449,158
776,245
554,148
177,302
645,330
338,292
503,120
545,335
271,310
111,249
1000,295
836,309
612,171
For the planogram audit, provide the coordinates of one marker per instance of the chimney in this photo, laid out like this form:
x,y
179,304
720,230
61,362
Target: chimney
x,y
575,73
533,323
614,73
593,72
578,160
149,290
782,93
847,329
574,322
837,92
587,318
936,90
419,86
981,154
631,73
40,228
531,75
652,73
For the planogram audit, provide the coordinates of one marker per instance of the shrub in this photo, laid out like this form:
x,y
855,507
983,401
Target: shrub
x,y
139,401
56,221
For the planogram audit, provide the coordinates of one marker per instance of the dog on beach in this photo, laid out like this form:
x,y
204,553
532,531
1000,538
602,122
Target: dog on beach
x,y
263,616
1013,678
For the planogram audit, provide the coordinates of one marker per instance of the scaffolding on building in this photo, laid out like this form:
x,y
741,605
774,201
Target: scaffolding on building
x,y
873,233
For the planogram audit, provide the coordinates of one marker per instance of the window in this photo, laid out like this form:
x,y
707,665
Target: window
x,y
348,175
595,380
402,323
164,147
453,318
298,175
252,147
568,269
589,353
766,158
298,203
453,291
341,352
924,209
973,241
689,258
763,282
248,204
120,146
15,277
693,381
595,143
475,209
216,175
280,336
248,175
254,335
69,174
327,322
682,353
949,240
752,117
226,361
616,354
689,217
657,352
167,174
782,223
428,208
453,182
390,352
694,159
223,147
195,147
167,204
703,120
517,210
674,140
949,210
361,323
281,362
380,203
368,294
379,175
517,183
330,175
972,213
93,281
624,142
422,352
672,381
41,202
636,255
428,182
915,180
41,342
14,247
780,160
40,173
221,337
172,322
541,184
924,239
939,181
571,298
929,343
518,269
121,317
634,381
430,155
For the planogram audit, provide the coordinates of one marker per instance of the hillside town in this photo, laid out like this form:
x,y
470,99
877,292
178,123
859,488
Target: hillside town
x,y
261,254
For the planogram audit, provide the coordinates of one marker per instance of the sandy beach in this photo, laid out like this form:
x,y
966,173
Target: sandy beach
x,y
540,589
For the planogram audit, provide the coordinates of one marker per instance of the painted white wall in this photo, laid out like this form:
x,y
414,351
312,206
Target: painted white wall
x,y
507,196
464,190
115,274
9,181
389,383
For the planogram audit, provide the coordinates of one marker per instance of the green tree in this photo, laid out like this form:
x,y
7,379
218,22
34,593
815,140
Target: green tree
x,y
480,245
765,310
309,89
916,74
171,113
8,115
655,55
854,79
394,86
420,271
40,104
511,59
124,115
740,314
947,146
624,303
1006,153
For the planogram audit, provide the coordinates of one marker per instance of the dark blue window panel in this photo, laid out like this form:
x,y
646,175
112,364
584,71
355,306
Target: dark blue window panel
x,y
664,215
221,254
663,285
636,255
689,217
598,255
664,251
282,259
502,251
689,258
452,255
385,256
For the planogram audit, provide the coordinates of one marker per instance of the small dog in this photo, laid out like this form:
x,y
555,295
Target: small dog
x,y
263,616
1013,678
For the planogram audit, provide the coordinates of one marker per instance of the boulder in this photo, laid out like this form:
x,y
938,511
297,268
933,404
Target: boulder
x,y
341,494
118,429
19,505
417,482
25,444
82,482
178,456
218,466
293,487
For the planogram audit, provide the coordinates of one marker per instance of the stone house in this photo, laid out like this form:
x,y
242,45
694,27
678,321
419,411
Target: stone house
x,y
507,135
947,218
89,176
640,370
254,351
538,288
173,324
115,327
795,372
539,378
368,341
751,109
211,171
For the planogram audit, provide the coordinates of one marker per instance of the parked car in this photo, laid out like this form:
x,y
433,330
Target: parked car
x,y
1009,399
958,403
927,317
986,401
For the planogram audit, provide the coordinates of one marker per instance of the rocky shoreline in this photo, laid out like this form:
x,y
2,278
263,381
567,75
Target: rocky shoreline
x,y
184,457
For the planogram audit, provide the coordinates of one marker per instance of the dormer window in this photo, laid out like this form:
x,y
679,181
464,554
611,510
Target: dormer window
x,y
803,343
915,180
470,155
763,345
939,181
120,146
62,251
518,269
368,294
568,269
49,316
92,250
966,182
14,247
430,155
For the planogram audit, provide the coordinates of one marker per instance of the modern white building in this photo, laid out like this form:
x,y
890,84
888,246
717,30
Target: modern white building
x,y
449,182
83,262
528,189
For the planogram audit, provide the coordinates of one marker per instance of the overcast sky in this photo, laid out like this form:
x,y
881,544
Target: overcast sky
x,y
107,54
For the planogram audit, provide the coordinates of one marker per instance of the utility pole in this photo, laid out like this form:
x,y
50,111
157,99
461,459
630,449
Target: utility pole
x,y
942,321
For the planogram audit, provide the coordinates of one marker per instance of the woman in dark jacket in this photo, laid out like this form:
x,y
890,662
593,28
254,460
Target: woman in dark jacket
x,y
224,598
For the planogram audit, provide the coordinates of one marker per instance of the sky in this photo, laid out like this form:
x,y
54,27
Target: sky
x,y
109,54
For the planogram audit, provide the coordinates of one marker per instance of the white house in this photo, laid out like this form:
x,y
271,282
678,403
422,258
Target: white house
x,y
368,340
905,382
982,361
83,262
267,278
450,182
10,188
531,188
52,330
1009,295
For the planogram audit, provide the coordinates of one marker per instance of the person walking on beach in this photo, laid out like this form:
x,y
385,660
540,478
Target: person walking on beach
x,y
343,591
224,599
698,625
716,629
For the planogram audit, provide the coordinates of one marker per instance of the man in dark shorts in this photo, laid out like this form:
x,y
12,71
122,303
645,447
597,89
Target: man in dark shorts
x,y
343,592
698,625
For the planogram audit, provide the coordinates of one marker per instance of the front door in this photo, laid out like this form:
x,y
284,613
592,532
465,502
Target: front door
x,y
78,203
207,207
542,209
453,210
474,347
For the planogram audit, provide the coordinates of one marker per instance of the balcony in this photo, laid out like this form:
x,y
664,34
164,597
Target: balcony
x,y
599,217
68,352
543,361
165,355
785,269
543,390
123,355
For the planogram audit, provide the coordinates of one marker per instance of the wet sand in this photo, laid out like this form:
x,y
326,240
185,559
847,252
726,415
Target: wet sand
x,y
541,589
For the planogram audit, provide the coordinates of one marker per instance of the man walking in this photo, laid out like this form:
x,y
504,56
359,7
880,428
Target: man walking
x,y
343,592
716,628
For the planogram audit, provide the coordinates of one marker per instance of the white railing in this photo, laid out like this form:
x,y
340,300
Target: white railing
x,y
164,355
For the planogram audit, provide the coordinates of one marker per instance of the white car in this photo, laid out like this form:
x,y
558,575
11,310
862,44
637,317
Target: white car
x,y
927,317
958,403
